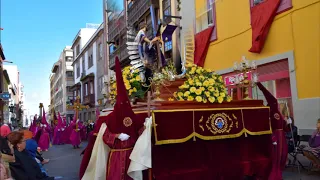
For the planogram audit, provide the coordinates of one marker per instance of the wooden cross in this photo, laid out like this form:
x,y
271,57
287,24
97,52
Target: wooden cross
x,y
77,106
40,109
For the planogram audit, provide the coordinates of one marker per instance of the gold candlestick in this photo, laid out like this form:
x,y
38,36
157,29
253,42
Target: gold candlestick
x,y
245,67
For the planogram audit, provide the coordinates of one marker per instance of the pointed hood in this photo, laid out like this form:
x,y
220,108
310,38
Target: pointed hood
x,y
122,117
64,121
277,120
34,120
272,101
59,125
54,115
44,119
97,113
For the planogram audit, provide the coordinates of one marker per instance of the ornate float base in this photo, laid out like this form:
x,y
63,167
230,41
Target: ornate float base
x,y
167,89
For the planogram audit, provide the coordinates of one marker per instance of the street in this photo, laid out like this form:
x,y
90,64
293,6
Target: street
x,y
64,161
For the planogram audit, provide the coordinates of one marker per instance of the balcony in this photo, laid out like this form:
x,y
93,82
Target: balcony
x,y
122,53
138,9
89,100
116,26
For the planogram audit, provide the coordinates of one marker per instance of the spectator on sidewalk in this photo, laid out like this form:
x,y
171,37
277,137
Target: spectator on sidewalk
x,y
31,147
5,129
313,152
4,174
25,167
28,135
6,152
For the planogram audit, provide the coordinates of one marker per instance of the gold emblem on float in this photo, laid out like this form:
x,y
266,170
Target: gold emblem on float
x,y
219,123
127,121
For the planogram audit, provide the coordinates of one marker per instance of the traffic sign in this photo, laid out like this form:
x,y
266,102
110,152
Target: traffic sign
x,y
5,96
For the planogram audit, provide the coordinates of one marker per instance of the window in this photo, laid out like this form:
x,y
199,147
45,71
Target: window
x,y
166,5
205,17
83,64
78,50
86,89
256,2
100,51
130,3
68,59
91,87
90,61
78,70
284,4
112,48
69,73
168,46
100,84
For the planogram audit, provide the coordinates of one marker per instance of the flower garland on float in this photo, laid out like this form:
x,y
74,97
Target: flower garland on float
x,y
202,85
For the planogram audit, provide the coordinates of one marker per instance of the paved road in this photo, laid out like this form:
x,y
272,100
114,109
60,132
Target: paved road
x,y
64,161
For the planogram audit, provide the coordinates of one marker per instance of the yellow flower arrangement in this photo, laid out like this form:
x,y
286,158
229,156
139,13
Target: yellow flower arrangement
x,y
202,85
132,82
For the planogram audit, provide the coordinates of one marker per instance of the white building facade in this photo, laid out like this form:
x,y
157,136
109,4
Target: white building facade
x,y
16,102
61,81
87,47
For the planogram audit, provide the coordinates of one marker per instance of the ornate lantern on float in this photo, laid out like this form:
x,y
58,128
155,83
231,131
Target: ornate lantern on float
x,y
247,76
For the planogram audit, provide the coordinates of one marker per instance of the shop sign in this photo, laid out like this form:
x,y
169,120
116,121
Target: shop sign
x,y
232,79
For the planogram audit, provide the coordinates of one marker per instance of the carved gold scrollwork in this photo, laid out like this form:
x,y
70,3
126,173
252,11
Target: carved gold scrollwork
x,y
200,121
219,123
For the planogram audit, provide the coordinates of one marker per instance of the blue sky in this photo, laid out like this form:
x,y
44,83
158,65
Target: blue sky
x,y
35,32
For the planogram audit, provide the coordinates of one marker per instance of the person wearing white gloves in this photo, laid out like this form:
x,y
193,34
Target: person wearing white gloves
x,y
123,137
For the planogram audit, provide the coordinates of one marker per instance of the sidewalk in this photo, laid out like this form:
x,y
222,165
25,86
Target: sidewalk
x,y
292,173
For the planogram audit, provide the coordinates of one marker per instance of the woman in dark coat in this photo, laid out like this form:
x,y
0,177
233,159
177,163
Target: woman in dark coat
x,y
25,167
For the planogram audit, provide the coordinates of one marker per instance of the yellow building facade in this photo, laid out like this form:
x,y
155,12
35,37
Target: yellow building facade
x,y
294,38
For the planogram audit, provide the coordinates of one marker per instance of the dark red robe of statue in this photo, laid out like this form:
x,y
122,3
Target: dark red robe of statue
x,y
280,152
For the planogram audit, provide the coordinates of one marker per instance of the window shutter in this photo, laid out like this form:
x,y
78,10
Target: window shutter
x,y
284,5
214,32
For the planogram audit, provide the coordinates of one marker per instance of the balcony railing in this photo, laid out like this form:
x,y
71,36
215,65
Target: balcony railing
x,y
89,100
116,25
121,52
137,10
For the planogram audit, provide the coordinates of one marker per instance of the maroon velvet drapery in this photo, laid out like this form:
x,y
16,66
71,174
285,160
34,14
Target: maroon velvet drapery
x,y
179,126
262,16
245,150
202,42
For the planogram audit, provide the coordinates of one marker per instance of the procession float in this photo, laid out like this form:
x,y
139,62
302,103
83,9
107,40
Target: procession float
x,y
197,130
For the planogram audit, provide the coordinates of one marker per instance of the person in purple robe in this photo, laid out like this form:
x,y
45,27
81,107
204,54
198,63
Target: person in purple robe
x,y
83,131
313,151
34,126
44,141
75,137
58,130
